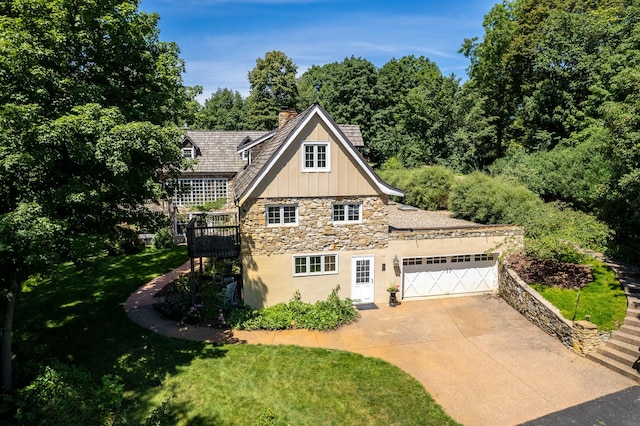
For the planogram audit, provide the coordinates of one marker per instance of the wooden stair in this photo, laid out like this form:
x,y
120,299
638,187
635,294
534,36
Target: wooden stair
x,y
623,349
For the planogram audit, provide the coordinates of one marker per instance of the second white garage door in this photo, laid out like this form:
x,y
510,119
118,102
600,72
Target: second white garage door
x,y
444,275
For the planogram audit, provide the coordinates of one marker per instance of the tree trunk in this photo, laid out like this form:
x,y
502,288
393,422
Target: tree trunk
x,y
7,329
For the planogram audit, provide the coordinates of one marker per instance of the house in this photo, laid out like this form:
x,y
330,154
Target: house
x,y
313,215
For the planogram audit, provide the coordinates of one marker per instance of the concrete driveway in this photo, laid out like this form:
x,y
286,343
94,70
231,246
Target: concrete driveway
x,y
480,359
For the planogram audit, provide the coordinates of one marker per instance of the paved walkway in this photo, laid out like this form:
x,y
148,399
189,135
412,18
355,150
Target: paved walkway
x,y
480,359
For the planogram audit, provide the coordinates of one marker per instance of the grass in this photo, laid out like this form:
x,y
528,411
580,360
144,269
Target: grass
x,y
603,299
77,316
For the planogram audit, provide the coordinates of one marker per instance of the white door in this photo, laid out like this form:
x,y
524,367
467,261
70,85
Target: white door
x,y
362,287
443,275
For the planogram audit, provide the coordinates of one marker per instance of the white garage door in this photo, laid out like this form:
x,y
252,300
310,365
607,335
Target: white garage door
x,y
443,275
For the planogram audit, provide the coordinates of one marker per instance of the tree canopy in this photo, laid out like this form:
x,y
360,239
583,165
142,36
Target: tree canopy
x,y
87,91
273,87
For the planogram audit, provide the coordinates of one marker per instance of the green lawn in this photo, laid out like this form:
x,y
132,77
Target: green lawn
x,y
77,316
603,299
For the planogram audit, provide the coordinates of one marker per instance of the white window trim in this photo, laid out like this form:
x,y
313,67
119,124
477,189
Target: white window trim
x,y
346,213
281,207
308,257
326,168
190,151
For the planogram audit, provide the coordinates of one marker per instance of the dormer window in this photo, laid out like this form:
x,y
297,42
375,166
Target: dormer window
x,y
316,157
189,153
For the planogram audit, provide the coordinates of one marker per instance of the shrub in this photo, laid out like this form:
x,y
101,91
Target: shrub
x,y
552,230
126,241
323,315
63,394
426,187
483,199
163,239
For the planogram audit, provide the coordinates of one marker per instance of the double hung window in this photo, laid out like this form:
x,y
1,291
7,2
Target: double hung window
x,y
282,215
346,213
315,157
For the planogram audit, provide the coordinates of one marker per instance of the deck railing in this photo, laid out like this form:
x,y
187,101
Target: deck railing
x,y
212,241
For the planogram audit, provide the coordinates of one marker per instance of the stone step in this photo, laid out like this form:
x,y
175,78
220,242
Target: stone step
x,y
631,327
632,321
633,312
627,336
614,365
624,347
616,355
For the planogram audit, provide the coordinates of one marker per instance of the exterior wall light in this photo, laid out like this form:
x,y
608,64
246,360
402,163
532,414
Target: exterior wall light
x,y
396,261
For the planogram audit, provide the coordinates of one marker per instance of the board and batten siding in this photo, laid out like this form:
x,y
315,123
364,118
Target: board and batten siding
x,y
287,179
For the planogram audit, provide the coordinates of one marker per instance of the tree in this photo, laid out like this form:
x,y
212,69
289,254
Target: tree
x,y
347,90
490,74
86,89
273,87
224,110
396,79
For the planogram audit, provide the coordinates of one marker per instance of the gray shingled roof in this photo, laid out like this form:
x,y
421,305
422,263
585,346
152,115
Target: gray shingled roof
x,y
352,132
219,150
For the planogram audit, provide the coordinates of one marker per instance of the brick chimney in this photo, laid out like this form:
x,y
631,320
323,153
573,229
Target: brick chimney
x,y
285,115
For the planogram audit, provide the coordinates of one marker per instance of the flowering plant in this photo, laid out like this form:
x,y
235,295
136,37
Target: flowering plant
x,y
393,288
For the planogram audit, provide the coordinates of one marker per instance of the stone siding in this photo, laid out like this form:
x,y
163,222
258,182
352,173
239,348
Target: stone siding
x,y
581,336
436,234
315,231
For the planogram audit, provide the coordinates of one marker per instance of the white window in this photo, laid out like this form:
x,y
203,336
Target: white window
x,y
188,152
483,257
463,258
315,264
346,213
197,192
282,215
316,157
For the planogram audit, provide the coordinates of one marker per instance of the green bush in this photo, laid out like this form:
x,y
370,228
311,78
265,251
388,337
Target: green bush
x,y
163,239
323,315
126,241
426,187
483,199
552,230
63,395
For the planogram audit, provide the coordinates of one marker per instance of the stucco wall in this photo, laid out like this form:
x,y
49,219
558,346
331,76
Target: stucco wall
x,y
269,279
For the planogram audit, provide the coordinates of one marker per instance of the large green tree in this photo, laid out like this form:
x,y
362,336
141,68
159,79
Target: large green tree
x,y
273,87
86,90
224,110
347,90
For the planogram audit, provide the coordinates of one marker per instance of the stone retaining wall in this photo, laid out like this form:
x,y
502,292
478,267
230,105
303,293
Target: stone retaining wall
x,y
581,336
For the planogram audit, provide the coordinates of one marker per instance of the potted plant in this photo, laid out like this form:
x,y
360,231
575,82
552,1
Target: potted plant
x,y
393,289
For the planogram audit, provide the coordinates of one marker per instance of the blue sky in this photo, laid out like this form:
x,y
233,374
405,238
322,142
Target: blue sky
x,y
220,40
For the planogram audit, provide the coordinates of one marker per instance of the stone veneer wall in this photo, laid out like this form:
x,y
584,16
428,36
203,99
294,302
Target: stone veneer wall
x,y
442,233
582,336
315,231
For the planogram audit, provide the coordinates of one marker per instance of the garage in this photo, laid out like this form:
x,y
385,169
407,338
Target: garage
x,y
449,275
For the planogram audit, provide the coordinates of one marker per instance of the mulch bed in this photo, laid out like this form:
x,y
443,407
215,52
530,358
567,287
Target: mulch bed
x,y
551,272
